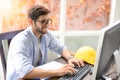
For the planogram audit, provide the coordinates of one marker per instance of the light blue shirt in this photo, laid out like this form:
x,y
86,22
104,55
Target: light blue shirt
x,y
22,52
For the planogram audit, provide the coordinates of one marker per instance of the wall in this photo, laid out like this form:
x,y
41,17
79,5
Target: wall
x,y
115,11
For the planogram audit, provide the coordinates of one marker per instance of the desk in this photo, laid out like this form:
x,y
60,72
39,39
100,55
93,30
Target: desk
x,y
112,71
62,60
87,77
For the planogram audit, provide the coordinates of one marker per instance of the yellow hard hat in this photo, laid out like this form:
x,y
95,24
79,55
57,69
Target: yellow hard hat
x,y
87,54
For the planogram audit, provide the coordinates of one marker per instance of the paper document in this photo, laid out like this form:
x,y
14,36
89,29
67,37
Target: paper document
x,y
51,65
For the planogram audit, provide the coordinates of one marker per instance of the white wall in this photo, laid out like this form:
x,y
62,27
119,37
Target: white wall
x,y
115,11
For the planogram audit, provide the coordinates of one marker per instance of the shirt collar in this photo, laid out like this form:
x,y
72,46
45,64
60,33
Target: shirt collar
x,y
31,34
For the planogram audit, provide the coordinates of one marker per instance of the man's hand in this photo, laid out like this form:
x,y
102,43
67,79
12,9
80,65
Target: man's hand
x,y
75,61
66,69
69,68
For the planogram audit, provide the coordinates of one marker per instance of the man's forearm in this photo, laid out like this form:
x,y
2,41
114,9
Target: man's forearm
x,y
40,73
67,54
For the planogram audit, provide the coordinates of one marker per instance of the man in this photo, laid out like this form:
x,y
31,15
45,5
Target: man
x,y
25,54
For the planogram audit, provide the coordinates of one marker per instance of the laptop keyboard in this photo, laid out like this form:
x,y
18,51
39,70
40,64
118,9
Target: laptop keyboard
x,y
82,71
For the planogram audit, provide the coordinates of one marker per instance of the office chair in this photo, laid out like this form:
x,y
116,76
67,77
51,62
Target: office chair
x,y
5,38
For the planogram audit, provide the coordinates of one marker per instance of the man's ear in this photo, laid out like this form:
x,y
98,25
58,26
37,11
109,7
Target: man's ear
x,y
30,21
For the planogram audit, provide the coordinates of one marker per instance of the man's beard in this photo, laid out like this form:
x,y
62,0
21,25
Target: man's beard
x,y
39,30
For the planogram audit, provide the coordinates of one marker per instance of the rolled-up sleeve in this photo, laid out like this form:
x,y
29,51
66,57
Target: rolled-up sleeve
x,y
21,57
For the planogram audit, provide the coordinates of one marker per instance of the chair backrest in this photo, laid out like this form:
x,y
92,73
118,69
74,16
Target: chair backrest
x,y
5,39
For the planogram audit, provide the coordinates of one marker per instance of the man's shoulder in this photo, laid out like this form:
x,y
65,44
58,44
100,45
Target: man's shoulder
x,y
21,36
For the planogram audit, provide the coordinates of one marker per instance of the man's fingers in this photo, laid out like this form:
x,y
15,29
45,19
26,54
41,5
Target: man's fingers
x,y
70,69
81,63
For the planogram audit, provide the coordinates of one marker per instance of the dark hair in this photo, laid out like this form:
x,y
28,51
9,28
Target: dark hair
x,y
36,11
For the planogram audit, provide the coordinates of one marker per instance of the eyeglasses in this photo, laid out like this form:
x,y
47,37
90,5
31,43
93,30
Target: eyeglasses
x,y
46,21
